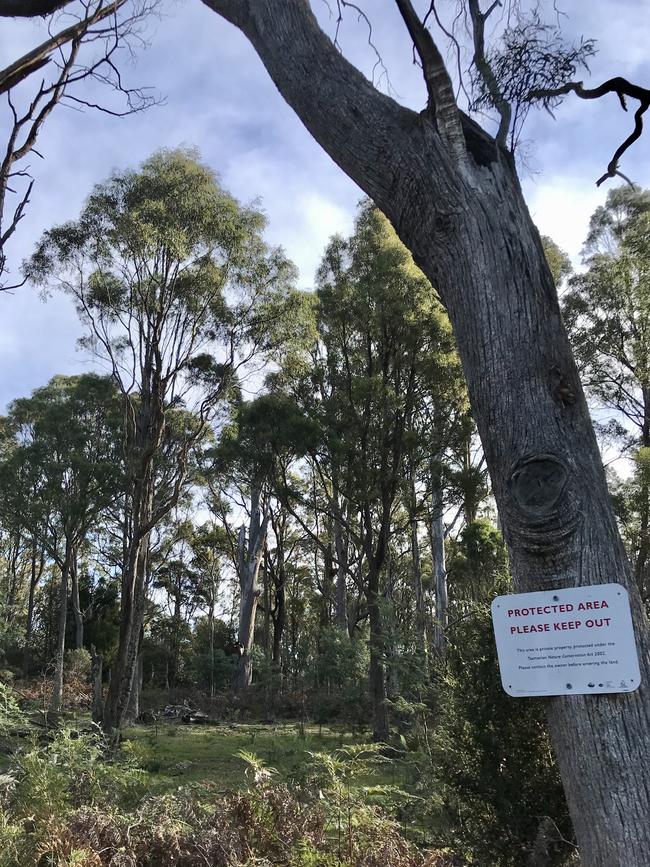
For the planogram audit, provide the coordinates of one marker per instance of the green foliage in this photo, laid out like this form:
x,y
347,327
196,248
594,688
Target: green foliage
x,y
607,308
72,770
558,260
77,804
339,675
64,464
492,759
10,713
476,558
11,836
77,663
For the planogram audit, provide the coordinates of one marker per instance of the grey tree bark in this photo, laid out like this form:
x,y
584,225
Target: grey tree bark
x,y
644,517
76,605
96,670
249,554
341,548
459,208
136,688
438,565
56,699
422,644
34,578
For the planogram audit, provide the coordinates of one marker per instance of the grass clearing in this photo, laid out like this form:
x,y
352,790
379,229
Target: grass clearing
x,y
175,754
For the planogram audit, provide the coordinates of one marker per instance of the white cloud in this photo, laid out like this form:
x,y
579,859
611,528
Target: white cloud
x,y
561,206
220,98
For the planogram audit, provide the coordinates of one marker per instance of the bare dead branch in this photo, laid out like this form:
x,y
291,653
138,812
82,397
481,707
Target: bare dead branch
x,y
485,70
361,16
623,90
99,24
38,57
18,215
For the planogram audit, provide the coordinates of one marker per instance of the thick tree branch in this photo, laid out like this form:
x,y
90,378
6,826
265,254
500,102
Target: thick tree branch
x,y
363,130
439,87
622,88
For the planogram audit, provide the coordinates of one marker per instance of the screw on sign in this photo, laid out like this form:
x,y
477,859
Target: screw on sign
x,y
566,642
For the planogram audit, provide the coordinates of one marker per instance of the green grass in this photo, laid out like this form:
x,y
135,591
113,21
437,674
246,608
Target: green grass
x,y
177,754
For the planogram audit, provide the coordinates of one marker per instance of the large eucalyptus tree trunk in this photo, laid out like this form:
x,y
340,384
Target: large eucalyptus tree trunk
x,y
132,609
455,200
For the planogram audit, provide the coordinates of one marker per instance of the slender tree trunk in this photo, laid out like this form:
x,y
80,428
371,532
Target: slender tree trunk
x,y
34,578
12,578
421,643
132,607
341,547
213,594
249,556
56,700
174,644
76,606
439,570
267,639
51,592
97,663
136,688
146,438
328,589
280,619
377,675
457,205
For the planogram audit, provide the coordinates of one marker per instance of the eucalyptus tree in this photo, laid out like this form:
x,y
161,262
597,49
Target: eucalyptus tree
x,y
63,472
451,190
387,343
607,311
264,435
171,279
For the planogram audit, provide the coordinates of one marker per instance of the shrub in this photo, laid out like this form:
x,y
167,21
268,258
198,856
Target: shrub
x,y
493,764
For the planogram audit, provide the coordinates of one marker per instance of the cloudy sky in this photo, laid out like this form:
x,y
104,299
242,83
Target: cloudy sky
x,y
218,97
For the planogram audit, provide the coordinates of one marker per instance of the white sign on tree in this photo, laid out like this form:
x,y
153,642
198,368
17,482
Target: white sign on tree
x,y
566,642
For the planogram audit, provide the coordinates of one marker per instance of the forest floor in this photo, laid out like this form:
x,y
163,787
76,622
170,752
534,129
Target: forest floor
x,y
176,754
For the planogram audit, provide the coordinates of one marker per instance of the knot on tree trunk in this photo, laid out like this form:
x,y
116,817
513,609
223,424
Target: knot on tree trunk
x,y
542,510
